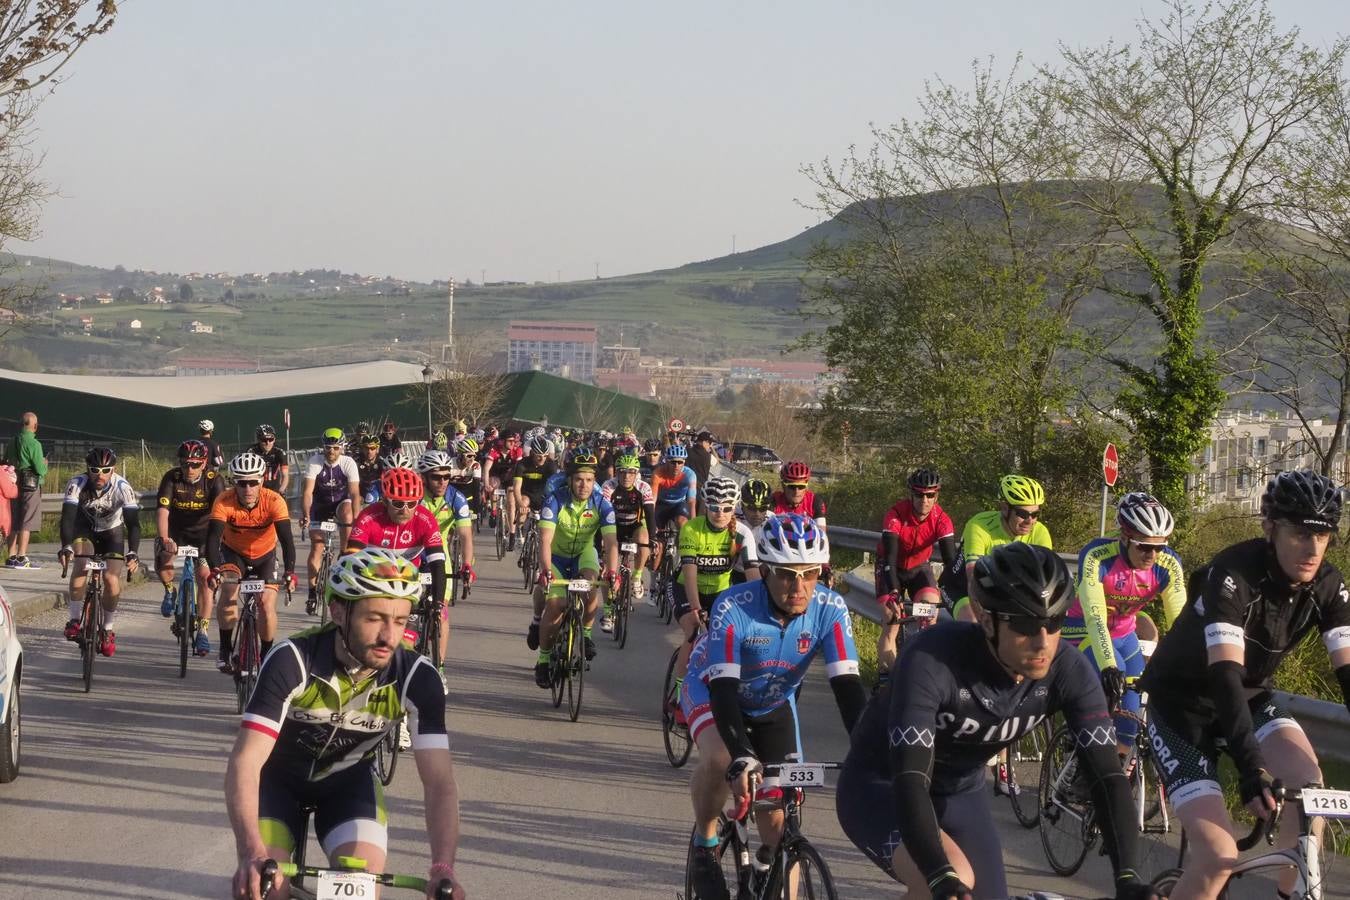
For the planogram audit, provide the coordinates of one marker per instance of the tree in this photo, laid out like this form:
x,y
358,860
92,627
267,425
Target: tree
x,y
472,390
185,293
769,416
1199,111
125,295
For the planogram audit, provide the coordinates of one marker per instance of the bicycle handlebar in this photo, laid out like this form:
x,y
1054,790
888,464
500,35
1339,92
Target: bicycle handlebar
x,y
1267,828
271,868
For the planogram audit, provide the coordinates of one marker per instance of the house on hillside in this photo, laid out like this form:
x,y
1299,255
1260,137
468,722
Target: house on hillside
x,y
103,298
156,295
134,324
195,327
87,323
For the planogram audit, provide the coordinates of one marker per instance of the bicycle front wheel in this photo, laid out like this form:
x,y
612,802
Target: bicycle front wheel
x,y
622,607
727,851
187,614
1024,764
1066,819
386,754
247,651
501,538
557,661
576,668
93,606
806,875
675,735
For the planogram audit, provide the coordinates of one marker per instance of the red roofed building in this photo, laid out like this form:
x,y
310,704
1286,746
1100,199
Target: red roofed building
x,y
567,349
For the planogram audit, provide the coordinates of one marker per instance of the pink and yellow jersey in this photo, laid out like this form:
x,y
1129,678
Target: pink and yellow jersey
x,y
1111,592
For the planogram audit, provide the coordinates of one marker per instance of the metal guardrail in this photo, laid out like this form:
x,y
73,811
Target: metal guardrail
x,y
1325,723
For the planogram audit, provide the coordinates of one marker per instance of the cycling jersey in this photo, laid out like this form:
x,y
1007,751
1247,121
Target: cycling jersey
x,y
189,502
810,505
985,531
746,641
575,523
713,552
451,510
276,461
331,480
1111,592
322,722
100,510
368,472
674,488
374,528
916,537
628,504
214,457
251,532
533,478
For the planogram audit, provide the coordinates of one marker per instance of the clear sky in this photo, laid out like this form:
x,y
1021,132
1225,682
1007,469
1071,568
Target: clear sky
x,y
429,138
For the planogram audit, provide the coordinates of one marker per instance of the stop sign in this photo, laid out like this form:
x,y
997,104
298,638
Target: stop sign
x,y
1110,465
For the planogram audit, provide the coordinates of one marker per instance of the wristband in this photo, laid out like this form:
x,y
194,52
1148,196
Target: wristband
x,y
446,870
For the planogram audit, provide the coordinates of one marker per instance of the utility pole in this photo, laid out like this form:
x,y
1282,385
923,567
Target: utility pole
x,y
448,351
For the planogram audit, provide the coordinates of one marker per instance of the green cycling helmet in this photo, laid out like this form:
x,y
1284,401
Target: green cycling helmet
x,y
1019,490
627,463
333,436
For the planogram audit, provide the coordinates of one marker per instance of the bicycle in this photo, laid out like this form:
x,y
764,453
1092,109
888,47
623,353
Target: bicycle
x,y
185,625
92,615
568,659
666,574
246,658
529,551
1023,763
674,733
623,596
499,522
425,622
796,869
329,528
1305,857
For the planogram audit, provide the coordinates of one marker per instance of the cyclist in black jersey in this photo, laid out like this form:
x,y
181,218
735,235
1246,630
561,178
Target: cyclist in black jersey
x,y
182,514
529,480
368,467
911,794
1209,680
634,512
278,474
756,501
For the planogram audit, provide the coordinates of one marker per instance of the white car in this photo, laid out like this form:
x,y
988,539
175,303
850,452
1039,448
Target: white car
x,y
11,669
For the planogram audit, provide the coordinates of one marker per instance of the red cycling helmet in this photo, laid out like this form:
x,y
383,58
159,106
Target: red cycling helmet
x,y
795,472
193,451
401,484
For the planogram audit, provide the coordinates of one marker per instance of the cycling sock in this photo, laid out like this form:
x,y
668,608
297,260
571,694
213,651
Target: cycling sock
x,y
586,630
76,609
226,641
204,626
543,656
535,620
701,841
108,616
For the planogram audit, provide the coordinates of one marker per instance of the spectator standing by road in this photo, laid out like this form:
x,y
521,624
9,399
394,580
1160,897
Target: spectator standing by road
x,y
700,459
31,468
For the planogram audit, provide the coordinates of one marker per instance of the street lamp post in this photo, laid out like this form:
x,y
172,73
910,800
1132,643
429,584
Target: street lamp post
x,y
427,373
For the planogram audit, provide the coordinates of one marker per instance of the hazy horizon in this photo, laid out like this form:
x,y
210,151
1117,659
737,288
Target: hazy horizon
x,y
526,141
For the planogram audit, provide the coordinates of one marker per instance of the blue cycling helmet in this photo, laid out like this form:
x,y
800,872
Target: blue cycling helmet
x,y
677,451
792,538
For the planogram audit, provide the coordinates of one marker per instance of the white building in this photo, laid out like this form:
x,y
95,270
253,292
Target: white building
x,y
1247,448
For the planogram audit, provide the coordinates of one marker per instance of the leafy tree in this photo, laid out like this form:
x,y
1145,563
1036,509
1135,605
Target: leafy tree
x,y
185,293
125,295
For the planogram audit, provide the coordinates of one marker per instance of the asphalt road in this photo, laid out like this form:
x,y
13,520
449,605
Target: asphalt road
x,y
120,794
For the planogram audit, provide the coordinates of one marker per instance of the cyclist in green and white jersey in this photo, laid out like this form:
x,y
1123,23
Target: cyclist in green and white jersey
x,y
1016,519
453,513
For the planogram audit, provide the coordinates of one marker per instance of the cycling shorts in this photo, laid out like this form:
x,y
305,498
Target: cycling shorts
x,y
667,513
773,735
325,512
264,567
164,559
679,600
565,568
348,807
866,807
1129,659
1187,751
112,545
911,581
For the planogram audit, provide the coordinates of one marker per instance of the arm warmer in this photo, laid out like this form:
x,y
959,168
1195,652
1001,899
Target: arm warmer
x,y
132,518
890,543
1343,676
214,532
724,697
851,697
947,549
287,540
68,513
914,807
1111,792
437,568
1235,717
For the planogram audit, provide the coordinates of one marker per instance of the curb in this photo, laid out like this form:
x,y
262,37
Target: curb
x,y
35,604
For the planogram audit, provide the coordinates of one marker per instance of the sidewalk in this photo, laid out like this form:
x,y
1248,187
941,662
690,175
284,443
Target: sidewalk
x,y
32,592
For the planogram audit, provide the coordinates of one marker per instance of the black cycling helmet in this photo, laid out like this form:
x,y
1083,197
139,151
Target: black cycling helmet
x,y
1021,579
756,494
582,461
925,479
651,445
100,457
1303,497
265,431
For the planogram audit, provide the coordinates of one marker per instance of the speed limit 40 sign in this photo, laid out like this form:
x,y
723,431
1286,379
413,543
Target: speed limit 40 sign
x,y
676,425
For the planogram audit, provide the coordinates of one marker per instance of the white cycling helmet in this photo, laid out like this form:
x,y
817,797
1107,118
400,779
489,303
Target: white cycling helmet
x,y
1144,515
206,425
720,491
247,465
373,572
432,460
396,460
792,538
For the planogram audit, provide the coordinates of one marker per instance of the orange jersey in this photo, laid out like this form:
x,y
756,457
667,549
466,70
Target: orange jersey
x,y
252,532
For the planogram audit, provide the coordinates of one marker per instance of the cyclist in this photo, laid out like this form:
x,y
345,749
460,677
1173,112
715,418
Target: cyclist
x,y
909,530
756,499
1016,519
796,495
1117,578
206,429
675,487
650,457
324,701
910,794
100,515
746,668
278,474
498,459
246,525
451,510
568,523
368,467
332,493
528,481
709,544
634,509
186,495
1209,680
467,475
389,440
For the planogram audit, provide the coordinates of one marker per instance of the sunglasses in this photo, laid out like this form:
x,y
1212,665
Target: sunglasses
x,y
402,504
195,463
787,573
1026,514
1149,548
267,440
927,495
438,476
721,509
1030,626
793,487
100,470
247,484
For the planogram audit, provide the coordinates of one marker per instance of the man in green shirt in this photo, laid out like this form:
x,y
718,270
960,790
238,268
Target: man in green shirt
x,y
1016,519
31,468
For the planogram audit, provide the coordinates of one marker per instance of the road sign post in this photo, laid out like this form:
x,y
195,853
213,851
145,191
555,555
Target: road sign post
x,y
1110,472
286,420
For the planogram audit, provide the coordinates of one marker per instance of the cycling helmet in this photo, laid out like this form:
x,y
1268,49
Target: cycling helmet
x,y
193,451
651,445
248,465
512,435
373,572
400,483
265,431
720,491
432,460
792,538
626,431
1303,497
627,463
756,494
100,457
491,433
396,459
795,472
1143,515
541,445
676,452
333,437
1021,579
925,479
206,425
1019,490
582,461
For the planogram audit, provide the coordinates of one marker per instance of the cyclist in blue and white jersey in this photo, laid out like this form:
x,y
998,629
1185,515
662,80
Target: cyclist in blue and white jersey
x,y
745,670
332,493
675,487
